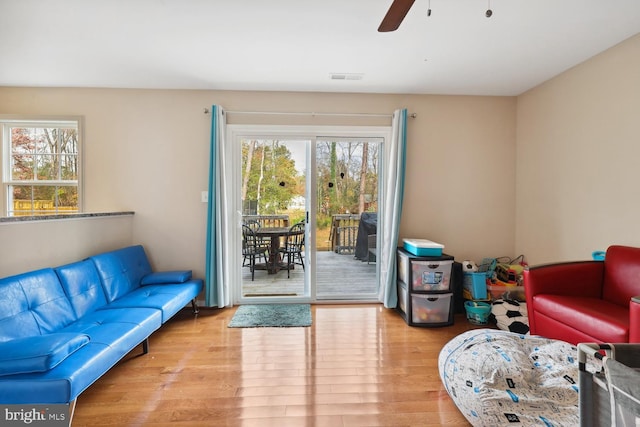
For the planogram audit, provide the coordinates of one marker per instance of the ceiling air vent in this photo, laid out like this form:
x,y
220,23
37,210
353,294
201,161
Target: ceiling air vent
x,y
347,76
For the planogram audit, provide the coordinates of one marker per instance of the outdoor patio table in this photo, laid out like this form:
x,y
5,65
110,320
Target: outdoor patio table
x,y
274,263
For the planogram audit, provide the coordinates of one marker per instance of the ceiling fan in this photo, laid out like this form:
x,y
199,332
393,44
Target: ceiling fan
x,y
399,9
395,15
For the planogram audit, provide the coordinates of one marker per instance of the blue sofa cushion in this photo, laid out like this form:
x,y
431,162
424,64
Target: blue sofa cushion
x,y
166,277
15,318
113,334
168,298
82,285
121,329
33,303
122,270
38,353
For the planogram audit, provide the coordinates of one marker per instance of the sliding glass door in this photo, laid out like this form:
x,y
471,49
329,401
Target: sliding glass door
x,y
274,218
327,187
347,191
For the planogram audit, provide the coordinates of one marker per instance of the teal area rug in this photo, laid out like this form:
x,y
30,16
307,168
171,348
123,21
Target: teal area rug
x,y
271,315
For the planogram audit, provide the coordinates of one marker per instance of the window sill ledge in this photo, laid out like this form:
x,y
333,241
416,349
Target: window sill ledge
x,y
33,218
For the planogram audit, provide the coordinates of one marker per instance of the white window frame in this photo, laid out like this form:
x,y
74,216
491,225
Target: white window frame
x,y
7,122
237,132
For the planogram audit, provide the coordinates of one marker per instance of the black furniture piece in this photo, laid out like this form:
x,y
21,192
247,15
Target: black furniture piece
x,y
372,247
293,247
368,225
456,285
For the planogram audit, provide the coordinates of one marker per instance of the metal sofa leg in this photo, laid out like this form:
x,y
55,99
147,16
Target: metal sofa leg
x,y
194,305
72,410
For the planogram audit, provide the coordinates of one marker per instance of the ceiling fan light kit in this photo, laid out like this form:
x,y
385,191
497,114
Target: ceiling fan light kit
x,y
399,9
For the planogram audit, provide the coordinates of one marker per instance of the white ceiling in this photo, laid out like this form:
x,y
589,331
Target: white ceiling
x,y
295,45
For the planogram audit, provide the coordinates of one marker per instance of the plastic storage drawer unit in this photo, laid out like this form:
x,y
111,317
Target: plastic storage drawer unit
x,y
425,289
431,276
432,309
403,297
408,273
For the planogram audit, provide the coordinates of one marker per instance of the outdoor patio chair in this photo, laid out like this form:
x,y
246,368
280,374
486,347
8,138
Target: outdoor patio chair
x,y
371,247
251,249
293,247
261,242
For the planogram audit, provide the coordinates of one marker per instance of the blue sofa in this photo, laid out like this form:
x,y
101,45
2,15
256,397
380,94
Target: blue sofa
x,y
62,328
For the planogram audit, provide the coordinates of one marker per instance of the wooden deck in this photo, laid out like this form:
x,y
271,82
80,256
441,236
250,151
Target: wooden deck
x,y
338,277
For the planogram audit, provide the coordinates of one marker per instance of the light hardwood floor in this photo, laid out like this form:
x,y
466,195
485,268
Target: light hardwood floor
x,y
357,365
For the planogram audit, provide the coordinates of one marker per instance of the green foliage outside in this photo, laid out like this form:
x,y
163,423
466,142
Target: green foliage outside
x,y
347,179
272,183
271,179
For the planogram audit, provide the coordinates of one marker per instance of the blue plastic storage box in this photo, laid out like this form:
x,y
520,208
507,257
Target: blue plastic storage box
x,y
474,286
422,247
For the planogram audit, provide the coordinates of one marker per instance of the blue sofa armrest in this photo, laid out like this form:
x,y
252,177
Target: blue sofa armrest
x,y
38,353
162,277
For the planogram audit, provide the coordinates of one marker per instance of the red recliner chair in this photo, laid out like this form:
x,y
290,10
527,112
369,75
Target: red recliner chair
x,y
587,301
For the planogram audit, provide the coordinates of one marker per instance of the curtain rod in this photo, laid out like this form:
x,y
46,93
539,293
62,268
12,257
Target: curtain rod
x,y
284,113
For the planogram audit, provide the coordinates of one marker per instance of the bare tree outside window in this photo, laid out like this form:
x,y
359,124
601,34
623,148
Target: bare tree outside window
x,y
44,168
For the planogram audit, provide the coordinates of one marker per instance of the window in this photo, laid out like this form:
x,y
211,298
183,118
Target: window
x,y
40,166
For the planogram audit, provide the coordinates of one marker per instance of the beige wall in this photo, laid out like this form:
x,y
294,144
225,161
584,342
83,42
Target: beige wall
x,y
147,151
460,187
30,246
577,159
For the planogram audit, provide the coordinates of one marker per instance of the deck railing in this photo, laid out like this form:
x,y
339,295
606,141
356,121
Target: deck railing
x,y
267,220
344,232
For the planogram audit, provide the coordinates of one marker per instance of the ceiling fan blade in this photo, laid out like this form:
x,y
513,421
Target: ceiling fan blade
x,y
395,15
